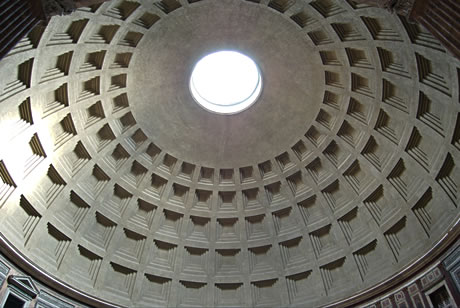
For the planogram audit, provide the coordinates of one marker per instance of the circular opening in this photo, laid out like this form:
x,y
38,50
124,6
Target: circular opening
x,y
225,82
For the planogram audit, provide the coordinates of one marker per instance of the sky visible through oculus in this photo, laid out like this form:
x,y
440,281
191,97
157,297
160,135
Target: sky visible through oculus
x,y
225,82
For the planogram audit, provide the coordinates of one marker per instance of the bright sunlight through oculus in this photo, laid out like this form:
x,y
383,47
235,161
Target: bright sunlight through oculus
x,y
225,82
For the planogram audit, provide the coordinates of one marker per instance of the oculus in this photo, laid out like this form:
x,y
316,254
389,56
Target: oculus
x,y
225,82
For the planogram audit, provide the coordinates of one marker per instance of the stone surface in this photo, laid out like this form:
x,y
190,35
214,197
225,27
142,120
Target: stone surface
x,y
341,175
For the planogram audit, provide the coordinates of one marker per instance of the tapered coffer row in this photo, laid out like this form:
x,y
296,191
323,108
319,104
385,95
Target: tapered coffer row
x,y
118,206
134,247
95,201
318,172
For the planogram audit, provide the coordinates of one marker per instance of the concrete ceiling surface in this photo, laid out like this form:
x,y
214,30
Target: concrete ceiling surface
x,y
115,182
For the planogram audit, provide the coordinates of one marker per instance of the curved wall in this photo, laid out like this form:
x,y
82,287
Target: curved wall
x,y
347,174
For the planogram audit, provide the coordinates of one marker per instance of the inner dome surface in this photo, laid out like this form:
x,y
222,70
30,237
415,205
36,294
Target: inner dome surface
x,y
339,186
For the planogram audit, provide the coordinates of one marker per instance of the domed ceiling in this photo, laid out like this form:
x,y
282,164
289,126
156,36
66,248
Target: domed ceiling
x,y
118,185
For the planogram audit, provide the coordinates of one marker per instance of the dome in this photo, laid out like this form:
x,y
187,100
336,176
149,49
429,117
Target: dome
x,y
123,191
